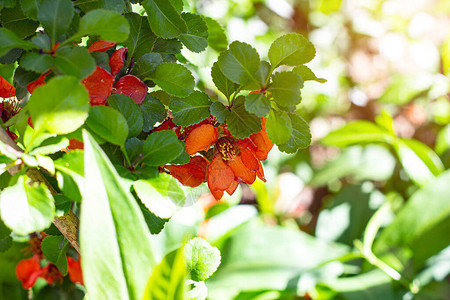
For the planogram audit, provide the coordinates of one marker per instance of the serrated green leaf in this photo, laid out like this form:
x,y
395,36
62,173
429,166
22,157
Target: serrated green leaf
x,y
291,49
153,111
175,79
87,5
201,259
279,127
285,88
26,208
240,63
15,20
162,195
219,111
74,61
258,104
55,16
223,84
117,252
54,249
107,24
130,111
168,49
42,40
36,62
300,136
8,41
197,33
164,20
217,39
161,147
4,231
307,74
240,122
146,65
141,38
30,8
55,110
191,109
108,123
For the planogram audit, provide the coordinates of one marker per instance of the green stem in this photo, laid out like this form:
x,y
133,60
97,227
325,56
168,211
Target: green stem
x,y
125,154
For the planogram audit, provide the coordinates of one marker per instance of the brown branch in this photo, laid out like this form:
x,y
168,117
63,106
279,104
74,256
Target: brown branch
x,y
68,224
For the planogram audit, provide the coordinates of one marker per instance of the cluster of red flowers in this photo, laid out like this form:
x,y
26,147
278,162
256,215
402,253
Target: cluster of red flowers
x,y
229,162
30,269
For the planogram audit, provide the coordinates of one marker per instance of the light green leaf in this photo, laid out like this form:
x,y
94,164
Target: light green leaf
x,y
55,110
258,104
175,79
55,16
161,147
300,136
27,208
285,88
34,61
54,249
291,49
443,140
107,24
108,123
146,65
8,41
162,195
201,259
116,249
197,32
307,74
130,111
404,88
279,127
219,111
152,111
223,84
141,38
217,39
164,20
240,122
191,109
75,61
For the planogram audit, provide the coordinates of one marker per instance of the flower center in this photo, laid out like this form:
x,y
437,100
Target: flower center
x,y
226,148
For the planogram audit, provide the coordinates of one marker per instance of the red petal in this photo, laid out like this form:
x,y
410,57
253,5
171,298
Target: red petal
x,y
131,86
260,173
241,172
38,82
232,188
201,138
220,177
261,142
117,60
75,273
7,90
248,158
101,46
27,271
99,85
191,174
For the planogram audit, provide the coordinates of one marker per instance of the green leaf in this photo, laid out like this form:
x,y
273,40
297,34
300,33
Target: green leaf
x,y
240,63
56,110
291,49
7,3
4,231
168,49
54,249
164,20
152,111
155,224
7,71
8,41
75,61
240,122
146,65
109,124
87,5
130,111
62,204
55,16
404,88
175,79
161,147
258,104
285,88
6,244
219,111
15,20
26,208
70,178
443,140
201,259
357,132
36,62
223,84
307,74
30,8
300,136
107,24
168,278
279,127
117,252
197,33
217,39
141,39
162,195
191,109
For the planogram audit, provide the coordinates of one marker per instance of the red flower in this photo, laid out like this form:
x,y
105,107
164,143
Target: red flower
x,y
28,271
201,138
131,86
117,60
38,82
101,46
75,272
7,90
191,174
99,85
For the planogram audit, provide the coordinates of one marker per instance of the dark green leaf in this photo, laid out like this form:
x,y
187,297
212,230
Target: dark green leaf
x,y
161,147
219,111
55,110
291,49
30,8
279,127
191,109
7,71
109,124
117,252
55,16
300,136
15,20
8,41
164,20
101,60
62,204
240,63
6,244
42,40
175,79
285,88
130,111
240,122
75,61
152,111
155,224
36,62
141,38
223,84
168,49
4,231
263,72
146,65
54,249
197,32
357,132
107,24
7,3
217,39
183,158
258,104
87,5
201,259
